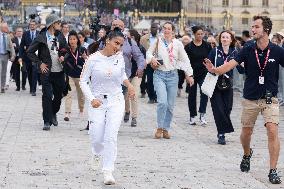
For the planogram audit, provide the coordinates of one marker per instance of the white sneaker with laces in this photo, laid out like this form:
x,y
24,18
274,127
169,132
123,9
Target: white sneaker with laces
x,y
108,178
203,119
95,162
192,121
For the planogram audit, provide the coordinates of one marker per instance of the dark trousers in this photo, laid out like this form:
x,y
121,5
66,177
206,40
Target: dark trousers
x,y
32,71
181,77
150,86
143,85
222,103
17,73
192,95
53,85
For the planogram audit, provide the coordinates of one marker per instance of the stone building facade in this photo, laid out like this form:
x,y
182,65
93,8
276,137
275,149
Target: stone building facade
x,y
240,12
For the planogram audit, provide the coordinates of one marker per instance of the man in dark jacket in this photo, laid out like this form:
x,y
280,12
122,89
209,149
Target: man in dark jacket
x,y
32,71
19,67
49,60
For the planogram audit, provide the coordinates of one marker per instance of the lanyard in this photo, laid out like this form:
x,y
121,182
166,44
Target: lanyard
x,y
265,62
170,50
75,57
223,56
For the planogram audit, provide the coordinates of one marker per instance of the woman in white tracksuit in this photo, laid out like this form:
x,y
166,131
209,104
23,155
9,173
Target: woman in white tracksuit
x,y
106,68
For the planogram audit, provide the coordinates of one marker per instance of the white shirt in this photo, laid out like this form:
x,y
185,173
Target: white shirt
x,y
107,75
2,49
180,60
152,39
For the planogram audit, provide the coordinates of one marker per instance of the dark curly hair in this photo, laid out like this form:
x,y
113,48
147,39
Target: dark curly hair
x,y
196,28
266,22
74,33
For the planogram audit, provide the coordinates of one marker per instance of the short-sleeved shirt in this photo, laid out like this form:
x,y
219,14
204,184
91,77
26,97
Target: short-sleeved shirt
x,y
196,55
253,90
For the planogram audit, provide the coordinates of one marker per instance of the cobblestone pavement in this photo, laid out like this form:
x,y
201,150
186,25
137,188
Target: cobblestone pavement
x,y
59,159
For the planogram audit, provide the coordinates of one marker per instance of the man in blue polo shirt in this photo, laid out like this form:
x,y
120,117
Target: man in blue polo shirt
x,y
261,61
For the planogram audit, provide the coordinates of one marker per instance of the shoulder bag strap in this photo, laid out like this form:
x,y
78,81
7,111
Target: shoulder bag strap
x,y
156,48
216,57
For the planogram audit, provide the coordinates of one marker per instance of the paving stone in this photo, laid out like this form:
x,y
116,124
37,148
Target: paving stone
x,y
192,159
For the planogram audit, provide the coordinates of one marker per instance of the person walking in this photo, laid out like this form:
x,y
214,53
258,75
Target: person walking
x,y
134,80
74,61
106,68
146,41
197,50
7,52
131,52
18,68
222,98
186,39
32,69
261,62
165,56
49,58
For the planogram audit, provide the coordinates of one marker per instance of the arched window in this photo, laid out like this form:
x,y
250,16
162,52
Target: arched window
x,y
245,17
245,2
265,3
265,13
225,3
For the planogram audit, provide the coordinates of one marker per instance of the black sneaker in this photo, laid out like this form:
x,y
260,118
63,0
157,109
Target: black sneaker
x,y
221,139
151,101
54,120
46,126
126,116
245,164
273,177
133,122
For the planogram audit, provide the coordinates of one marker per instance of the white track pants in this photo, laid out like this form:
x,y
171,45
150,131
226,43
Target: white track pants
x,y
104,125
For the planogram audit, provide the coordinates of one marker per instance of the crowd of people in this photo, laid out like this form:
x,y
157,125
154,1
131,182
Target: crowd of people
x,y
111,70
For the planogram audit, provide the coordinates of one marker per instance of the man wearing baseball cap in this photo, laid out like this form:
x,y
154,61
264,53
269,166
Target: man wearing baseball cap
x,y
49,57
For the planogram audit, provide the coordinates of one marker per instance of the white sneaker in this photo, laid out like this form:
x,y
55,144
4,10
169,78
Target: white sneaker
x,y
203,119
192,121
95,162
108,178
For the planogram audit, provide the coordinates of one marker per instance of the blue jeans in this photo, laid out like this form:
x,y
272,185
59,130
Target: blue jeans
x,y
166,86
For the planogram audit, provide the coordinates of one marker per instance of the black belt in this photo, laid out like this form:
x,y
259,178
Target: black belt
x,y
4,54
264,97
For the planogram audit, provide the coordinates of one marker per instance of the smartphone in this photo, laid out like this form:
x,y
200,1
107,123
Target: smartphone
x,y
161,62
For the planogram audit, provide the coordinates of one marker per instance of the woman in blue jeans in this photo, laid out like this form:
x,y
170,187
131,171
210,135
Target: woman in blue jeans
x,y
167,55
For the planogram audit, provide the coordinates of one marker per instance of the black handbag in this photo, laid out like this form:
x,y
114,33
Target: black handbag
x,y
224,83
